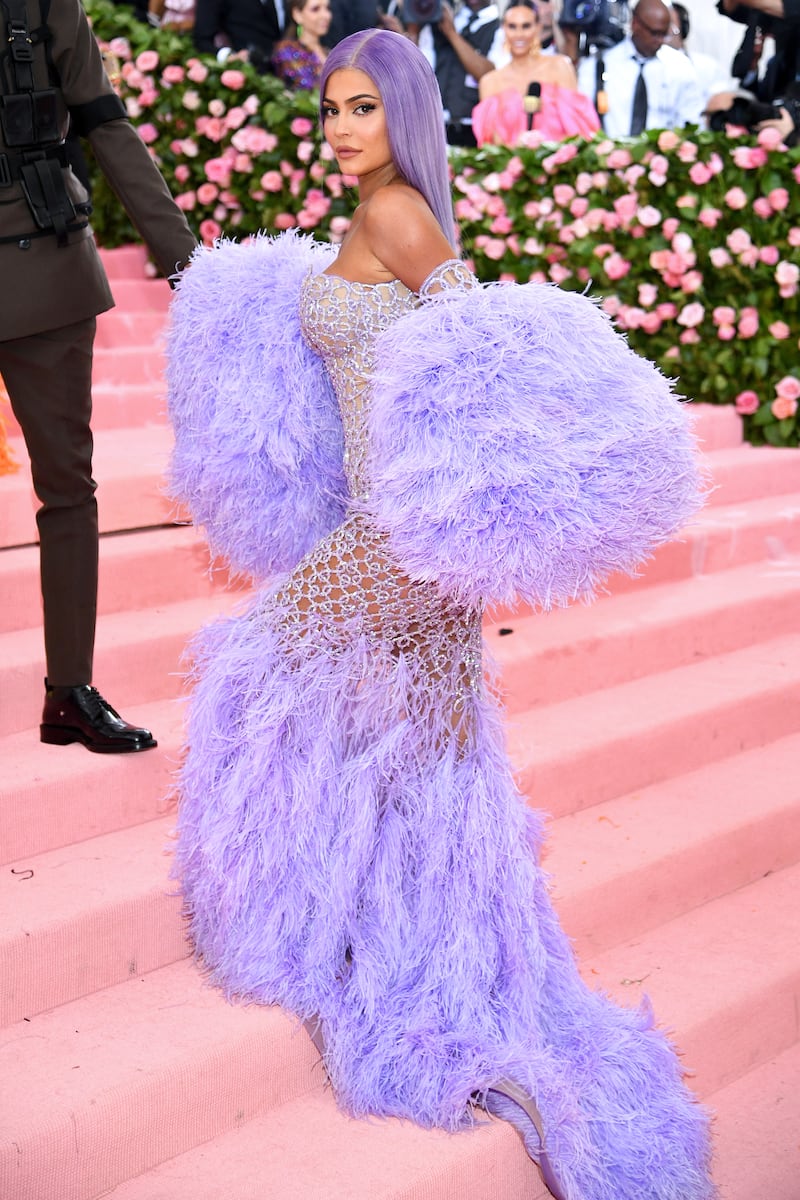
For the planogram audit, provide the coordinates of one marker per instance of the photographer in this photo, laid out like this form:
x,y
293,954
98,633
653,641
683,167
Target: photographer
x,y
772,99
457,47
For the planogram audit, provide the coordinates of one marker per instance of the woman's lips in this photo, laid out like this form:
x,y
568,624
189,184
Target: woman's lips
x,y
346,152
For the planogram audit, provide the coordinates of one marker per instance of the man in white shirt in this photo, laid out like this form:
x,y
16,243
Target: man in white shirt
x,y
646,85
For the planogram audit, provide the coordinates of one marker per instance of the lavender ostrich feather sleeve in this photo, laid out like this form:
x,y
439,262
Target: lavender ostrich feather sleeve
x,y
521,449
258,437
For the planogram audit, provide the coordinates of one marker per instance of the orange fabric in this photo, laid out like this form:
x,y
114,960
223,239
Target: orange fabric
x,y
8,463
501,119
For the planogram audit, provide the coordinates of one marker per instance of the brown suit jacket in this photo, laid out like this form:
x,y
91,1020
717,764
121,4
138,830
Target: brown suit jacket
x,y
43,286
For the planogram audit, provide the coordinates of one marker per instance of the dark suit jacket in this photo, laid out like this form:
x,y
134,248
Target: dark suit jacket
x,y
244,23
44,286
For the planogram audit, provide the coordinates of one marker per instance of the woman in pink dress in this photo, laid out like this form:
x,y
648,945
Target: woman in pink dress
x,y
510,106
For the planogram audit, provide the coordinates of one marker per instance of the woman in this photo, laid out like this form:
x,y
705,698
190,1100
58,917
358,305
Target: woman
x,y
351,843
298,59
509,106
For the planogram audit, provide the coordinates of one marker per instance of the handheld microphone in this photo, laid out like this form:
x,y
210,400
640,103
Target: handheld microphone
x,y
532,102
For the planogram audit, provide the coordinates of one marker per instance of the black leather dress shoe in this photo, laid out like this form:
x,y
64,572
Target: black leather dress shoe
x,y
80,714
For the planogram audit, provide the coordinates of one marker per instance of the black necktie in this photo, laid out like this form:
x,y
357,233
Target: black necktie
x,y
639,111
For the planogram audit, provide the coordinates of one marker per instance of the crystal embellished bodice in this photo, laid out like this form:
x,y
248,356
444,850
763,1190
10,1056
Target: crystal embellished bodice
x,y
349,589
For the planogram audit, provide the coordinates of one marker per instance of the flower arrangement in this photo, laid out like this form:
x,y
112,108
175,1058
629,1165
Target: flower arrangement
x,y
691,240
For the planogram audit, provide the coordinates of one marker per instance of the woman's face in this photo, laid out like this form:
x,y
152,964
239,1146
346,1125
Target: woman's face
x,y
521,27
354,123
314,15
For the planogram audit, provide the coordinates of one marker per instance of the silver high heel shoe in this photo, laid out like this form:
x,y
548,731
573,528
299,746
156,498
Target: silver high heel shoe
x,y
511,1103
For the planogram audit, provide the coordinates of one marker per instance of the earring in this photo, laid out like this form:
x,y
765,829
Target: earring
x,y
299,32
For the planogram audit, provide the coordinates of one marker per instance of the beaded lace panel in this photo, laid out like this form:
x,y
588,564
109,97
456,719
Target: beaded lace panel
x,y
349,587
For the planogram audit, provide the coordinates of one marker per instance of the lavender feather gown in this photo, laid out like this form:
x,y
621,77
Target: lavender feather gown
x,y
352,845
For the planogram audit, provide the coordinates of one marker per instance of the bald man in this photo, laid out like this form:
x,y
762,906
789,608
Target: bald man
x,y
647,84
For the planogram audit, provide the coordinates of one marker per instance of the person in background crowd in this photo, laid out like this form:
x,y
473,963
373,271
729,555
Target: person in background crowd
x,y
457,48
298,59
641,83
709,74
500,53
52,288
533,91
777,89
222,26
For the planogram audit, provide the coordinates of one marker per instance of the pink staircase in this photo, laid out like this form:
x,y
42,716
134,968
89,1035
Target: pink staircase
x,y
660,728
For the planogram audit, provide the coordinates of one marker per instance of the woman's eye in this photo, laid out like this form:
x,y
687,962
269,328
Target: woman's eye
x,y
365,108
328,111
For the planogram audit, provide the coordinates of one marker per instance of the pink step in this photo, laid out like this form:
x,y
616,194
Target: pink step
x,y
137,657
753,471
579,752
156,566
552,656
51,796
120,366
137,1062
757,1119
107,1080
716,426
145,328
312,1144
632,863
89,916
725,977
129,467
618,870
125,262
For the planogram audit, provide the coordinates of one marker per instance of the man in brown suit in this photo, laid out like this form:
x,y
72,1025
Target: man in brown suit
x,y
52,286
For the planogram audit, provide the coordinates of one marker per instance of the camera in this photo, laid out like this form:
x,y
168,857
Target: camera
x,y
422,12
599,23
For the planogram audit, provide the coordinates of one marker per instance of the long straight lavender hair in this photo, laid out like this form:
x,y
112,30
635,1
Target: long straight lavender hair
x,y
410,94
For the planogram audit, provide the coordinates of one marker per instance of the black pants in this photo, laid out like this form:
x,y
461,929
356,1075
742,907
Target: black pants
x,y
48,377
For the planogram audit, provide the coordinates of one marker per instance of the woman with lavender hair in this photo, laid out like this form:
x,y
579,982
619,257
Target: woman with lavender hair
x,y
402,445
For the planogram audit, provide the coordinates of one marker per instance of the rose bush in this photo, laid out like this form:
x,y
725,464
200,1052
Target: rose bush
x,y
690,240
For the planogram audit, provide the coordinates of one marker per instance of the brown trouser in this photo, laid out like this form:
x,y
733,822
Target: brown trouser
x,y
48,377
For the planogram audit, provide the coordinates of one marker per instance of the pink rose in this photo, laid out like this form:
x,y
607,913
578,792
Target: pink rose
x,y
719,257
235,80
726,333
709,217
738,240
207,193
610,305
723,315
625,206
769,138
667,311
749,158
616,267
648,294
209,230
687,152
301,127
186,201
285,220
749,257
173,73
147,132
272,181
559,273
691,315
787,274
501,226
778,199
691,282
748,322
618,159
769,255
780,330
196,71
783,407
788,388
579,206
651,322
736,198
794,236
218,170
670,228
563,193
762,208
689,337
668,140
147,61
747,403
494,248
583,183
649,216
699,174
181,173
